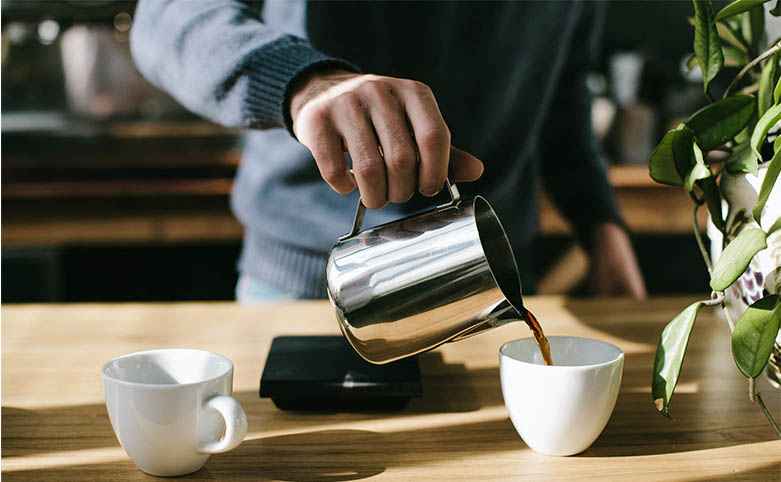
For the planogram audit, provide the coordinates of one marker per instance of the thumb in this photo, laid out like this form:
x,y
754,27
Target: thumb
x,y
464,166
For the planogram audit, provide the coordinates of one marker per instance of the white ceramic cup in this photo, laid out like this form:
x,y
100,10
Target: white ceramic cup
x,y
171,409
560,409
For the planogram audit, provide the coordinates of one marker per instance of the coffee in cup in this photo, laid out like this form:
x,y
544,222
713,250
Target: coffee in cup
x,y
560,409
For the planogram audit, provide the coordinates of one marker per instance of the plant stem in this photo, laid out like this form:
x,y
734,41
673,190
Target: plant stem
x,y
698,236
716,299
768,415
767,53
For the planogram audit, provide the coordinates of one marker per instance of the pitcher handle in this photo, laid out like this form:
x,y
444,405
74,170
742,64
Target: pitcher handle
x,y
360,212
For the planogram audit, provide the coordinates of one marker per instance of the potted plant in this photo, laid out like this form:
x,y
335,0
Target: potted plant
x,y
728,154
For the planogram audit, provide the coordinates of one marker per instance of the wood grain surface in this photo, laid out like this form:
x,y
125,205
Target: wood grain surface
x,y
55,426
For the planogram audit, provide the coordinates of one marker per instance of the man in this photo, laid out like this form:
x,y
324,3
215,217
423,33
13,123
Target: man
x,y
313,81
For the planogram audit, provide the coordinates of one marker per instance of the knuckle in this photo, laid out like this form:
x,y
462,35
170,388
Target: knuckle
x,y
418,87
314,117
376,88
315,110
331,173
434,136
368,169
399,159
348,100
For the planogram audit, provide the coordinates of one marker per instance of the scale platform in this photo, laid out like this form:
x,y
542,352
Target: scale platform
x,y
325,373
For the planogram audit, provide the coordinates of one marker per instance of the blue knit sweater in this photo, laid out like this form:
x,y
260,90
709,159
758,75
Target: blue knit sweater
x,y
509,78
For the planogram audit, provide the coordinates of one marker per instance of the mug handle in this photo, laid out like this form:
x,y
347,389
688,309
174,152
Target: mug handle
x,y
455,197
235,424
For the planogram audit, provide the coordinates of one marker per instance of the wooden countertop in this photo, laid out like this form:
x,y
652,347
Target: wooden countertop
x,y
55,426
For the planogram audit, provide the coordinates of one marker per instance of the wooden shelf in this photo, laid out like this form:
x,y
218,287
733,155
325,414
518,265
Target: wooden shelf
x,y
182,210
647,207
113,188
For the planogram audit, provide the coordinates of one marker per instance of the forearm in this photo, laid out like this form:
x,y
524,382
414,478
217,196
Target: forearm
x,y
220,61
573,168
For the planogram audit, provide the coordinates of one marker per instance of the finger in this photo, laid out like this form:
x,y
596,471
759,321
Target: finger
x,y
325,143
361,142
432,137
464,166
398,148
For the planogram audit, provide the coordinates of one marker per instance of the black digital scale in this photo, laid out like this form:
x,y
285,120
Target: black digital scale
x,y
325,373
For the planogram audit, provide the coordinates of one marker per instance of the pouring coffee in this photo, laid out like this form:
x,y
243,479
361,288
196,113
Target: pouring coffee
x,y
410,285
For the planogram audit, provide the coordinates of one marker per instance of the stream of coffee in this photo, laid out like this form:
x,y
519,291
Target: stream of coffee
x,y
539,336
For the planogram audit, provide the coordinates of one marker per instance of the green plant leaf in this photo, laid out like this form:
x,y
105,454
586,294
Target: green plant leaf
x,y
777,142
728,35
736,256
777,90
754,335
741,159
755,19
767,83
738,6
692,63
698,171
735,24
764,124
713,199
671,160
767,185
669,356
776,11
707,46
716,123
732,57
775,227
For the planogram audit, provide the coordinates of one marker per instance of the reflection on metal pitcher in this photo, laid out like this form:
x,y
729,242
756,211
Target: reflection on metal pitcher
x,y
408,286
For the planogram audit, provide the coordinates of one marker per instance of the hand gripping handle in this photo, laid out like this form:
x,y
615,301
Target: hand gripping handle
x,y
455,197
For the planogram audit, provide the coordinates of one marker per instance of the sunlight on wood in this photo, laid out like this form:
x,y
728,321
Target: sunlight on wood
x,y
690,388
64,459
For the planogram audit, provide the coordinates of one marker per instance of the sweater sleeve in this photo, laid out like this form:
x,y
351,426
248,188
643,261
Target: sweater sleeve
x,y
573,167
219,60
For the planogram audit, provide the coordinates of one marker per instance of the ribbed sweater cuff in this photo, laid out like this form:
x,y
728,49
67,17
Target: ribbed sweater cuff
x,y
274,69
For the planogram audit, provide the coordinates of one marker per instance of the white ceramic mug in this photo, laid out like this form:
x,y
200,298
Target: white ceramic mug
x,y
560,409
171,409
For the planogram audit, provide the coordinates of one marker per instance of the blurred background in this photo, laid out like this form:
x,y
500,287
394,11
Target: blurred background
x,y
113,192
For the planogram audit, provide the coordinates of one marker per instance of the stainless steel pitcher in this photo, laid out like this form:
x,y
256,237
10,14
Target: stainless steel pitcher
x,y
410,285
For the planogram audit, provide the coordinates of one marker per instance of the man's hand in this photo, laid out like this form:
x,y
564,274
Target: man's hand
x,y
392,129
614,269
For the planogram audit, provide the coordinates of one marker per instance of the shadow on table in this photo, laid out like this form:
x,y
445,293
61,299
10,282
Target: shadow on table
x,y
646,327
450,387
710,401
322,455
705,416
447,387
79,427
335,455
338,455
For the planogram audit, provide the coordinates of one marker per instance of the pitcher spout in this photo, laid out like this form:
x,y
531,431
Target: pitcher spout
x,y
506,312
501,314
